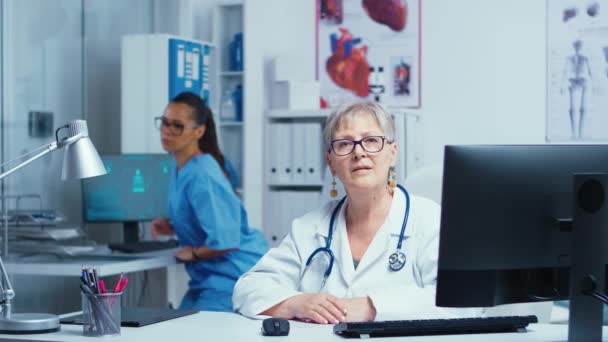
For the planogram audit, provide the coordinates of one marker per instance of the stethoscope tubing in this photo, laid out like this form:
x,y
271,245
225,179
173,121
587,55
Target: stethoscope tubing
x,y
334,214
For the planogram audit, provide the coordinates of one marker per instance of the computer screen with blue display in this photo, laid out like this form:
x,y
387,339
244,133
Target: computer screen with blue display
x,y
135,189
509,222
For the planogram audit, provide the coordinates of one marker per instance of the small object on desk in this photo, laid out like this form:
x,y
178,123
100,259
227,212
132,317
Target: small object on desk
x,y
275,326
143,246
139,317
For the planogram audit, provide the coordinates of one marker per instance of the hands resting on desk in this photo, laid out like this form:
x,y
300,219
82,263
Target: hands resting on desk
x,y
187,253
324,308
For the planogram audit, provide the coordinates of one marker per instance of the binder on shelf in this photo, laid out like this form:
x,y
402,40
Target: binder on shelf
x,y
281,148
401,135
409,140
272,159
286,158
299,145
314,153
277,221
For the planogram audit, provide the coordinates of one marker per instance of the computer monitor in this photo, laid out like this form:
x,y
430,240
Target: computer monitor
x,y
507,221
135,189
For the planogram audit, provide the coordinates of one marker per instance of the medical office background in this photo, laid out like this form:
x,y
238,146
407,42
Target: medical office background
x,y
483,81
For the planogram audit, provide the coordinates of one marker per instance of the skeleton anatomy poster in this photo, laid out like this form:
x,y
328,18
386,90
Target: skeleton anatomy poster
x,y
369,49
577,70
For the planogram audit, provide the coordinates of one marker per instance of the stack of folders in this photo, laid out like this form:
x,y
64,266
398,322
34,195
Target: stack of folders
x,y
283,207
295,154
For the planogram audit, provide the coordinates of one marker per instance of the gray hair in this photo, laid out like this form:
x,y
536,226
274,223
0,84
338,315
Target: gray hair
x,y
384,119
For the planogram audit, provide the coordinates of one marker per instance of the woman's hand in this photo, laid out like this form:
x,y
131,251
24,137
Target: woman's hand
x,y
185,254
320,308
358,309
161,226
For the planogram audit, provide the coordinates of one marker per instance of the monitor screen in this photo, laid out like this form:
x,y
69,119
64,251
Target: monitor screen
x,y
525,223
505,236
134,189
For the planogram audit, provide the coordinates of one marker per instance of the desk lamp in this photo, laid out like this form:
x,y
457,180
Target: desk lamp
x,y
81,160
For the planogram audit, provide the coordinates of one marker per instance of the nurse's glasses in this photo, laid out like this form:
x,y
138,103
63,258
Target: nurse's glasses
x,y
175,127
371,144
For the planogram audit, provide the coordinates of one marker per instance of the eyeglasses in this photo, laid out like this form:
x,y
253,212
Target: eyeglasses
x,y
371,144
175,127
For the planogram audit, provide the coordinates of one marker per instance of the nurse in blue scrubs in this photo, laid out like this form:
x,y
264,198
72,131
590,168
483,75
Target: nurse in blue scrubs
x,y
205,214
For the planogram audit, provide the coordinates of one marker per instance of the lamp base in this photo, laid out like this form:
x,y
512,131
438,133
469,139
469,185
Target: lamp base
x,y
29,323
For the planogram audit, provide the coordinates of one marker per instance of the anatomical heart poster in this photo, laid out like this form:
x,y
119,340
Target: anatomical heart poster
x,y
369,50
577,70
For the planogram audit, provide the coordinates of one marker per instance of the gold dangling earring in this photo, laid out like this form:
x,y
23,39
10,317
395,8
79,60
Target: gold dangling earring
x,y
333,192
392,181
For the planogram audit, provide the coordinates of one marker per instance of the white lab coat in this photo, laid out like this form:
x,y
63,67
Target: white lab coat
x,y
405,294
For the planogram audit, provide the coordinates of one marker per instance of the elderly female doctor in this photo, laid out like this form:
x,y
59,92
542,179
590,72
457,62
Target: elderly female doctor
x,y
372,255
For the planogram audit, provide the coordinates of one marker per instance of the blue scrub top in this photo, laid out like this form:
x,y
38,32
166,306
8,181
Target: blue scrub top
x,y
205,210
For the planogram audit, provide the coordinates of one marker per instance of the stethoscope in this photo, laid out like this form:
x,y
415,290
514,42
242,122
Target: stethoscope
x,y
396,260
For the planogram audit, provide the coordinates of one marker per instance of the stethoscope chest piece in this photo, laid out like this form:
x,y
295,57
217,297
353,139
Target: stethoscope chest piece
x,y
397,260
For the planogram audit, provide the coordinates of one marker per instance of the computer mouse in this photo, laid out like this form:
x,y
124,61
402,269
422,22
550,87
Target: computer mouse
x,y
275,326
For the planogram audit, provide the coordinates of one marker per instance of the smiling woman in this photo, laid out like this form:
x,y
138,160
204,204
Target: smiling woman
x,y
358,235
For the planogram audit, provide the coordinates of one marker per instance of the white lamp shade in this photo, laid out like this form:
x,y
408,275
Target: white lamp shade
x,y
81,160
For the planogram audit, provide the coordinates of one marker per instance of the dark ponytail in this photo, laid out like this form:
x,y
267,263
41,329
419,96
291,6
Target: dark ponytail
x,y
208,143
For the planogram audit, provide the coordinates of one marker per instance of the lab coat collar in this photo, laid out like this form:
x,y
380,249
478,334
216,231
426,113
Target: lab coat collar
x,y
322,228
379,244
339,244
394,221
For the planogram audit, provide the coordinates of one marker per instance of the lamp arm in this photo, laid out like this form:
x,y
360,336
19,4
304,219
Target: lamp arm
x,y
6,289
47,149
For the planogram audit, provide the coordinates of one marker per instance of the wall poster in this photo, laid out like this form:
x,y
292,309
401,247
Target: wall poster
x,y
369,49
577,70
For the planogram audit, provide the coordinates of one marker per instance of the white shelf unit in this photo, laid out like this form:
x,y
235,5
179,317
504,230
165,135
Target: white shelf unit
x,y
292,194
227,21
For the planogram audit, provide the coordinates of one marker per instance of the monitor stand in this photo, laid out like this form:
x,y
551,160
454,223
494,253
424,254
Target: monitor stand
x,y
130,232
587,267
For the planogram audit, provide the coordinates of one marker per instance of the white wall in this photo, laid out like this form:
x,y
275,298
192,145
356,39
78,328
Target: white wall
x,y
266,36
483,73
483,66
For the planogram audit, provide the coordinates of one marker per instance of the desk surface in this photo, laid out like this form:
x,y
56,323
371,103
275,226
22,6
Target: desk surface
x,y
106,263
214,326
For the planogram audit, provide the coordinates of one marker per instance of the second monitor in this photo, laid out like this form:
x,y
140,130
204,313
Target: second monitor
x,y
134,190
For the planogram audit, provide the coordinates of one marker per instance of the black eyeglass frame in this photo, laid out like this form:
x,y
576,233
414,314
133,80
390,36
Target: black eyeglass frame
x,y
359,142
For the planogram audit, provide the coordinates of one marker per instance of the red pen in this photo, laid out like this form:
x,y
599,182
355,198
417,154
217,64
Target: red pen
x,y
123,284
102,286
117,286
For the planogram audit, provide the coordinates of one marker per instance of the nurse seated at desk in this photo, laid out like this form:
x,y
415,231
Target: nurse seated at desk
x,y
371,255
206,214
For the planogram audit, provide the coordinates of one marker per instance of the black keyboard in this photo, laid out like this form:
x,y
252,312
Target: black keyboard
x,y
435,326
143,246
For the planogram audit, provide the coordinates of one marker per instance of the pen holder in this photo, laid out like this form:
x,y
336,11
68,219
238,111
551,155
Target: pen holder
x,y
101,314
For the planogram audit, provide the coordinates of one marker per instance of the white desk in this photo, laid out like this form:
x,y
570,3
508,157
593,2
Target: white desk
x,y
213,326
106,263
43,266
